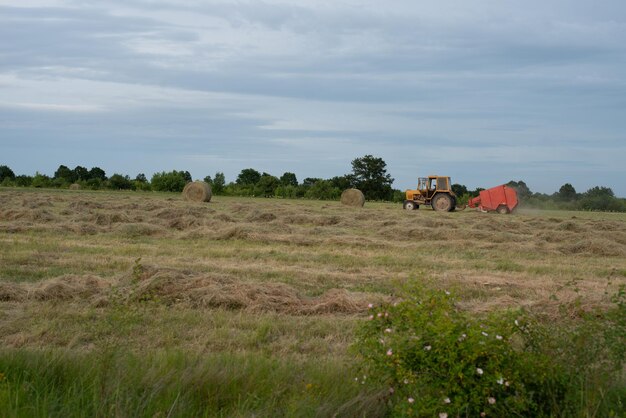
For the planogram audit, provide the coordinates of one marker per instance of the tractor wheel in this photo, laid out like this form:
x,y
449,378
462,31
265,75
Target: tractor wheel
x,y
442,203
502,210
410,205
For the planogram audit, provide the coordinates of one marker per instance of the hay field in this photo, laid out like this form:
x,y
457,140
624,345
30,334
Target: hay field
x,y
260,285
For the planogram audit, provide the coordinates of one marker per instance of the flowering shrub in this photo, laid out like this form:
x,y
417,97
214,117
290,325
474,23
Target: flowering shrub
x,y
436,361
439,362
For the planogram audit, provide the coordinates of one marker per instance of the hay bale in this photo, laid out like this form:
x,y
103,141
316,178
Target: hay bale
x,y
197,191
75,186
353,197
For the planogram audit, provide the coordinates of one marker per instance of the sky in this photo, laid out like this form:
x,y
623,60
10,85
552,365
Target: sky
x,y
484,91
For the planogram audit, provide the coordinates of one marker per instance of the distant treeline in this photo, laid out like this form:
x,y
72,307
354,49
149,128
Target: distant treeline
x,y
369,174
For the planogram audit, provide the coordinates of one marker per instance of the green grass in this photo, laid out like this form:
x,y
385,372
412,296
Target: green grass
x,y
124,359
173,383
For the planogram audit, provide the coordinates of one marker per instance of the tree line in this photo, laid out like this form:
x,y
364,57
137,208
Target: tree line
x,y
369,174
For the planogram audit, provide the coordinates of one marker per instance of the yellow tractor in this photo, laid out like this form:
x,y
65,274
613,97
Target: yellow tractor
x,y
435,191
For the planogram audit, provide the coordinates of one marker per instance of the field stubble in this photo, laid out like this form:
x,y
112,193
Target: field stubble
x,y
86,271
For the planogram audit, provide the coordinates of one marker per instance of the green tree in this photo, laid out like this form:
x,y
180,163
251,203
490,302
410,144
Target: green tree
x,y
567,193
81,173
459,189
370,176
342,182
219,183
65,175
174,181
266,186
323,190
97,173
248,177
310,181
120,182
41,180
23,181
288,179
6,173
523,192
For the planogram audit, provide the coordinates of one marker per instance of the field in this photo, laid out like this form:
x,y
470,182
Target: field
x,y
141,304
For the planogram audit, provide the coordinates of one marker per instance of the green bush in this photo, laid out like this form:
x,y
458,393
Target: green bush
x,y
173,181
436,360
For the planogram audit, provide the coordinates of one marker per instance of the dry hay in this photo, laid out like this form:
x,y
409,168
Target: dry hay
x,y
60,288
84,205
12,292
70,287
197,191
594,247
353,197
207,291
75,186
139,229
212,291
258,216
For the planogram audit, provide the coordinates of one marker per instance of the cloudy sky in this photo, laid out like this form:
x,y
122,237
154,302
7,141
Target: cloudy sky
x,y
485,91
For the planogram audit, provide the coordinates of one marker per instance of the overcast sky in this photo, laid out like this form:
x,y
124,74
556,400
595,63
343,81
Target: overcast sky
x,y
485,91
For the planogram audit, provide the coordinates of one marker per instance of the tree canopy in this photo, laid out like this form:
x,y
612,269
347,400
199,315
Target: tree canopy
x,y
370,176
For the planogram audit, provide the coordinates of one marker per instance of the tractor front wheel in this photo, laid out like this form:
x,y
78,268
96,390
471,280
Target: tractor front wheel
x,y
410,205
502,210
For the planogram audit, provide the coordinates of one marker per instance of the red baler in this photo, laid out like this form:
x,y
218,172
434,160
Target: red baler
x,y
501,199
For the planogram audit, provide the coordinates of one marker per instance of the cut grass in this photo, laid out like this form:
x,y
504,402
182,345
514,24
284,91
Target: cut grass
x,y
522,260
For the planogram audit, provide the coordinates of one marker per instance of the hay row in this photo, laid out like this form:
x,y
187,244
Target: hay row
x,y
199,291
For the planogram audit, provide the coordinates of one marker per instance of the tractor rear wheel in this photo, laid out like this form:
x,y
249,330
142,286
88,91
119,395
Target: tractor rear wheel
x,y
442,203
410,205
502,210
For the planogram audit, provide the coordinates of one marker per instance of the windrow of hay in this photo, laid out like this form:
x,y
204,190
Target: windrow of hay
x,y
207,291
197,191
59,288
75,186
353,197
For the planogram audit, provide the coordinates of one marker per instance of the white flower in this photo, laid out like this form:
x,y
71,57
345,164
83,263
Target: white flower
x,y
506,383
391,390
491,400
447,293
406,381
462,337
482,414
427,348
516,323
356,379
389,352
370,305
386,314
498,337
371,317
443,415
500,381
484,333
379,314
381,341
447,400
411,400
479,371
388,330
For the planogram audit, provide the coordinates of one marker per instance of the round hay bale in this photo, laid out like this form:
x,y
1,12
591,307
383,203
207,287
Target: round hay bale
x,y
197,191
353,197
75,186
